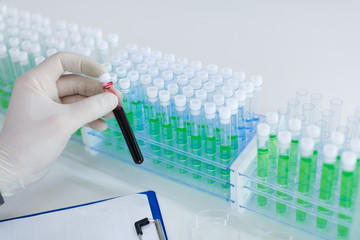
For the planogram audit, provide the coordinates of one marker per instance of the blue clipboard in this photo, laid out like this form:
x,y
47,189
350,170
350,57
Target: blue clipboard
x,y
154,206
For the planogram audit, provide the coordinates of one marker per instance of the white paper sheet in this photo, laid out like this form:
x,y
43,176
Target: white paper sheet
x,y
111,219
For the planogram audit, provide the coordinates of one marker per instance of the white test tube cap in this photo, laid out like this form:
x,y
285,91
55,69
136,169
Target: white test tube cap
x,y
23,58
157,54
132,48
177,68
201,94
219,99
153,71
133,76
159,83
218,80
121,71
113,77
226,72
307,144
195,105
188,91
182,80
167,75
89,42
188,71
115,60
225,114
239,76
233,104
240,95
14,42
248,87
169,57
164,96
263,130
209,87
257,81
284,137
142,68
14,54
313,131
180,100
227,91
210,110
212,69
137,58
145,79
183,61
103,46
272,118
196,65
107,66
196,83
124,83
348,161
330,152
294,125
173,88
234,83
203,76
355,146
3,49
152,92
146,51
123,54
337,138
162,65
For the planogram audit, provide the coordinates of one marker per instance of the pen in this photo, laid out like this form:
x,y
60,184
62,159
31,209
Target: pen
x,y
122,120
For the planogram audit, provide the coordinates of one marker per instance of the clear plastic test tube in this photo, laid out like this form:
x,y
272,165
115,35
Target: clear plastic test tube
x,y
294,126
145,81
167,129
219,101
196,83
189,71
195,135
338,139
154,122
293,105
154,72
328,117
212,70
142,68
233,105
7,72
240,76
136,106
168,77
196,65
121,72
173,89
284,139
146,51
316,100
113,39
14,56
308,112
240,96
227,91
234,83
24,62
159,83
177,69
263,132
181,132
335,106
137,58
353,123
226,74
162,65
126,101
284,115
314,132
225,144
272,118
301,97
257,81
203,76
209,87
249,89
210,130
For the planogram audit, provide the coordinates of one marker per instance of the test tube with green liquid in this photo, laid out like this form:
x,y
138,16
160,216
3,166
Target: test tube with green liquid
x,y
314,132
181,132
348,165
355,148
174,89
210,141
219,101
154,122
326,191
304,175
338,139
124,85
167,131
145,81
136,106
263,132
202,96
272,118
195,136
232,104
225,144
294,126
188,92
284,138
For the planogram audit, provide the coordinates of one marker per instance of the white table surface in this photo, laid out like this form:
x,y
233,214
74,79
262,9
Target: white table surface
x,y
309,44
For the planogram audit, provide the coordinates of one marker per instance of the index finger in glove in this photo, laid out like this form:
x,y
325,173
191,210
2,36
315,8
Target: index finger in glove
x,y
66,61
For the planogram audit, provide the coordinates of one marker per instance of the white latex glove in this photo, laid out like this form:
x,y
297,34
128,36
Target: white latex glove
x,y
45,109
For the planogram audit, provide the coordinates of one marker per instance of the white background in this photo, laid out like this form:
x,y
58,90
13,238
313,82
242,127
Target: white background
x,y
293,44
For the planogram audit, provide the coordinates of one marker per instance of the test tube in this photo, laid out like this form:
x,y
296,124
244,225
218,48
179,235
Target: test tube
x,y
284,138
201,95
196,65
227,91
154,72
316,100
188,92
169,57
301,97
195,135
142,68
233,105
308,112
348,163
182,81
294,127
210,141
314,132
307,149
121,72
328,117
174,89
335,106
188,71
127,65
203,76
159,83
240,76
326,191
168,77
123,54
145,81
272,119
234,83
353,123
177,69
14,56
209,87
263,132
226,74
240,96
257,81
293,105
136,106
124,85
196,83
7,72
167,129
24,62
218,83
344,130
225,144
154,122
219,101
137,58
162,65
338,139
355,148
181,132
212,70
115,61
249,89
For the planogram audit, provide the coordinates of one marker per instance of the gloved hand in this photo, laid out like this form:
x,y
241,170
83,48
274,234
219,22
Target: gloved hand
x,y
45,109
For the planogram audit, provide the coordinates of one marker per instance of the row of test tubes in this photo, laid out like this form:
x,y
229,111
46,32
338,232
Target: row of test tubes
x,y
305,150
